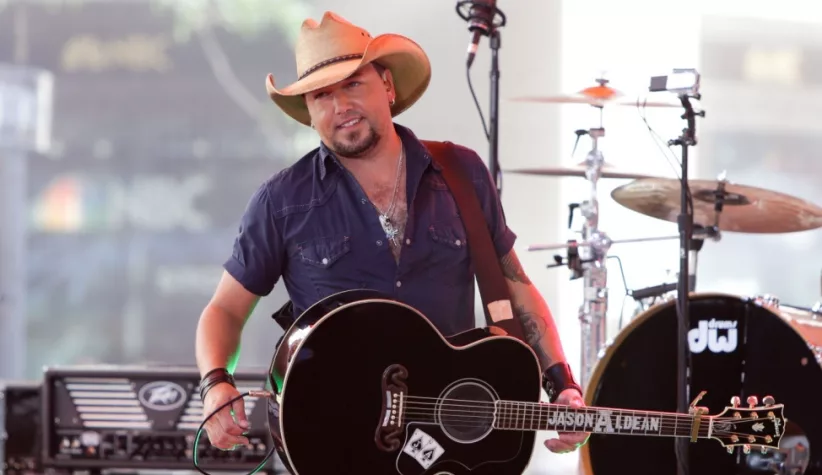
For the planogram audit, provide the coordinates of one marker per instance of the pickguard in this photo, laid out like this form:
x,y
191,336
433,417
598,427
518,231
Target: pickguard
x,y
424,446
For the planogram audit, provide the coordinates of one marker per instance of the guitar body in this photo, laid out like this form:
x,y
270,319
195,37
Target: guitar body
x,y
355,386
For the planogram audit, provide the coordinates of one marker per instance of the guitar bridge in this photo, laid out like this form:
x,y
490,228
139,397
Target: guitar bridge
x,y
394,392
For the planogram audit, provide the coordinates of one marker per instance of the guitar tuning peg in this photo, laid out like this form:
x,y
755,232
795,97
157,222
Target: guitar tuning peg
x,y
730,450
746,449
768,401
736,401
763,450
752,400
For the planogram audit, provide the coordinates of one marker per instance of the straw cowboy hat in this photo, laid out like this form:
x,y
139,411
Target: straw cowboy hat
x,y
334,49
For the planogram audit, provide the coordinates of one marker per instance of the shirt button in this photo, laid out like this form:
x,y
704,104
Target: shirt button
x,y
408,242
458,242
364,201
399,284
325,261
379,242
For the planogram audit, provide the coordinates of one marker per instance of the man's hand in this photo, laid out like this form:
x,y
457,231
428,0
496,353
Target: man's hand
x,y
225,431
568,441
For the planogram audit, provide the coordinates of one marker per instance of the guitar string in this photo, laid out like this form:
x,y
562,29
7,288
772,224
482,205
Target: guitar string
x,y
519,411
534,419
517,422
472,401
468,409
541,407
422,401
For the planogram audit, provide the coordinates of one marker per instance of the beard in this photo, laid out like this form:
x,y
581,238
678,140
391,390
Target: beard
x,y
356,143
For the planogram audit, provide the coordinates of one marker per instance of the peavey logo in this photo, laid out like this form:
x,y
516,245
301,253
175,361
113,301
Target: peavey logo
x,y
162,396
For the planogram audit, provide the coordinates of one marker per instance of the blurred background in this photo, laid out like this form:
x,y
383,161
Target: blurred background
x,y
146,128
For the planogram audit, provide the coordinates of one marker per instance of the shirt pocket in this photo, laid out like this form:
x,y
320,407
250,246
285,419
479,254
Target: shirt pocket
x,y
324,266
449,257
324,252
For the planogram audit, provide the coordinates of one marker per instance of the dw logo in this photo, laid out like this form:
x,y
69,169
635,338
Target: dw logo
x,y
706,335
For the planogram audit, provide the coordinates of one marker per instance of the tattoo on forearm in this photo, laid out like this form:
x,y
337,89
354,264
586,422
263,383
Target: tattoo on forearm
x,y
534,329
512,269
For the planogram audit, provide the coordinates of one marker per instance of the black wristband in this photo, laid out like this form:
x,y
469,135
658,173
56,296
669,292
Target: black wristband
x,y
557,378
213,378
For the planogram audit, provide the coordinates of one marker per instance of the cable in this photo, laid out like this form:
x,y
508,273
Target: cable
x,y
659,141
260,394
624,286
689,207
476,101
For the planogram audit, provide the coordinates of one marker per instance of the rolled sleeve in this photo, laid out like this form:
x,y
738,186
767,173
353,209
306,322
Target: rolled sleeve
x,y
256,258
503,237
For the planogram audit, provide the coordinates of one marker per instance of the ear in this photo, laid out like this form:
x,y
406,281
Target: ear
x,y
388,80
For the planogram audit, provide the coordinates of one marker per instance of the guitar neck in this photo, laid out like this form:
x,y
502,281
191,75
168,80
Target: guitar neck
x,y
513,415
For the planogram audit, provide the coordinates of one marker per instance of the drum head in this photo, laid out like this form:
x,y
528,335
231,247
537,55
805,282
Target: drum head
x,y
738,348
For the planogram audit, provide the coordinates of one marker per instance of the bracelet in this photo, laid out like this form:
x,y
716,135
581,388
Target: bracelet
x,y
557,378
213,378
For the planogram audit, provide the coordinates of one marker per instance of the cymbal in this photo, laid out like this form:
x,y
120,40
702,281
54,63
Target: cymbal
x,y
578,170
746,209
598,96
593,101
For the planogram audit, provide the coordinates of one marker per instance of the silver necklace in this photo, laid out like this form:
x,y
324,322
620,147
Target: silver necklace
x,y
388,227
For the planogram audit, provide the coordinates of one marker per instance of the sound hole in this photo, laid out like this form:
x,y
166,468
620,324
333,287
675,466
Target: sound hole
x,y
466,413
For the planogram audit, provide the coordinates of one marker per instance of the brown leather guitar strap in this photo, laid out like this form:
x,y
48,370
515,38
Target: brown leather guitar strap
x,y
492,286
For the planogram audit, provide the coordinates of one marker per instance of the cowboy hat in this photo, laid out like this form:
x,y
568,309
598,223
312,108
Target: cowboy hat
x,y
335,49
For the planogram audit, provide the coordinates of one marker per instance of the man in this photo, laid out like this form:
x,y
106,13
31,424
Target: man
x,y
367,209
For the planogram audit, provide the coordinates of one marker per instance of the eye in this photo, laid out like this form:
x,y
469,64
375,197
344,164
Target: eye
x,y
353,83
320,95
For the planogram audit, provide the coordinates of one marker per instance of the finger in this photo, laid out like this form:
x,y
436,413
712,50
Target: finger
x,y
577,402
558,446
573,438
227,422
227,433
239,414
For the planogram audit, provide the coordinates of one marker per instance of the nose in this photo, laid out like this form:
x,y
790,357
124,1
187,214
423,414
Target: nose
x,y
341,103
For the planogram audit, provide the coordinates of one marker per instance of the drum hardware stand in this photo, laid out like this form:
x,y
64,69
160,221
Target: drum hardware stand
x,y
590,264
685,221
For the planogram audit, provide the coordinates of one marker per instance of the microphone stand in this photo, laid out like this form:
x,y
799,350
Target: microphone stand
x,y
493,111
685,221
481,16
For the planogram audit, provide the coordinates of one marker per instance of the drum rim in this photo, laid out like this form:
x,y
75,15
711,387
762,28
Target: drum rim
x,y
585,467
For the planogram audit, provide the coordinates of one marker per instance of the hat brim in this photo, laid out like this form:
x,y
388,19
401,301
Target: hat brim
x,y
408,63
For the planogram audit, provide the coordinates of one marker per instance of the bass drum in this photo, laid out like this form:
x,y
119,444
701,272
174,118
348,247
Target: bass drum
x,y
739,347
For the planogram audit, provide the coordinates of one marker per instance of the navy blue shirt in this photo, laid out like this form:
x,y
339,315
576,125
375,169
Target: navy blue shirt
x,y
312,226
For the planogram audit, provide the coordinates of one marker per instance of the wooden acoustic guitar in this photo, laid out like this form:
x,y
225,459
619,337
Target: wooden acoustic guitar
x,y
362,384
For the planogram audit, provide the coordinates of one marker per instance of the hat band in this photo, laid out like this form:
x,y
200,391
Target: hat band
x,y
327,62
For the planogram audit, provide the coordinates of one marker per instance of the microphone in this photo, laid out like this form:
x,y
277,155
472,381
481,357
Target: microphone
x,y
480,18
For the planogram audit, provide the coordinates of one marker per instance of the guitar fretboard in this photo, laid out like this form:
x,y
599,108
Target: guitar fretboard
x,y
530,416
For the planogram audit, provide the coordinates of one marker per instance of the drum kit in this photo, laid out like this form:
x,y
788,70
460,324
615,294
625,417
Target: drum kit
x,y
737,345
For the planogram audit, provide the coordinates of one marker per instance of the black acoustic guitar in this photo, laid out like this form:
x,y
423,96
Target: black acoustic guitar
x,y
362,384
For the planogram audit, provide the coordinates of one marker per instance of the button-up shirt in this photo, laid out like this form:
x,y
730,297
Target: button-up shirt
x,y
312,226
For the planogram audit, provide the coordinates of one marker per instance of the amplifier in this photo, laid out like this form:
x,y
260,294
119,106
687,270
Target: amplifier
x,y
119,417
19,427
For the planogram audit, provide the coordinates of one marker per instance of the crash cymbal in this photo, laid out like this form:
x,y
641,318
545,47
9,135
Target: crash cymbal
x,y
746,209
578,170
593,101
598,96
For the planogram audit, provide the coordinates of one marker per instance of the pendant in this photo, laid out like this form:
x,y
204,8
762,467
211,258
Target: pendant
x,y
390,230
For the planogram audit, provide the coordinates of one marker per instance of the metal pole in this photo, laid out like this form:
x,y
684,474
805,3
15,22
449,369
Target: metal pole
x,y
594,310
25,127
12,264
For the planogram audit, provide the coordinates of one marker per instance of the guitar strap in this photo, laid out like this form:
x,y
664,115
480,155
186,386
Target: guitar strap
x,y
492,286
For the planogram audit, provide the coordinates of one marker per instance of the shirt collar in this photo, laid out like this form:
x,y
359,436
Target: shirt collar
x,y
415,151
